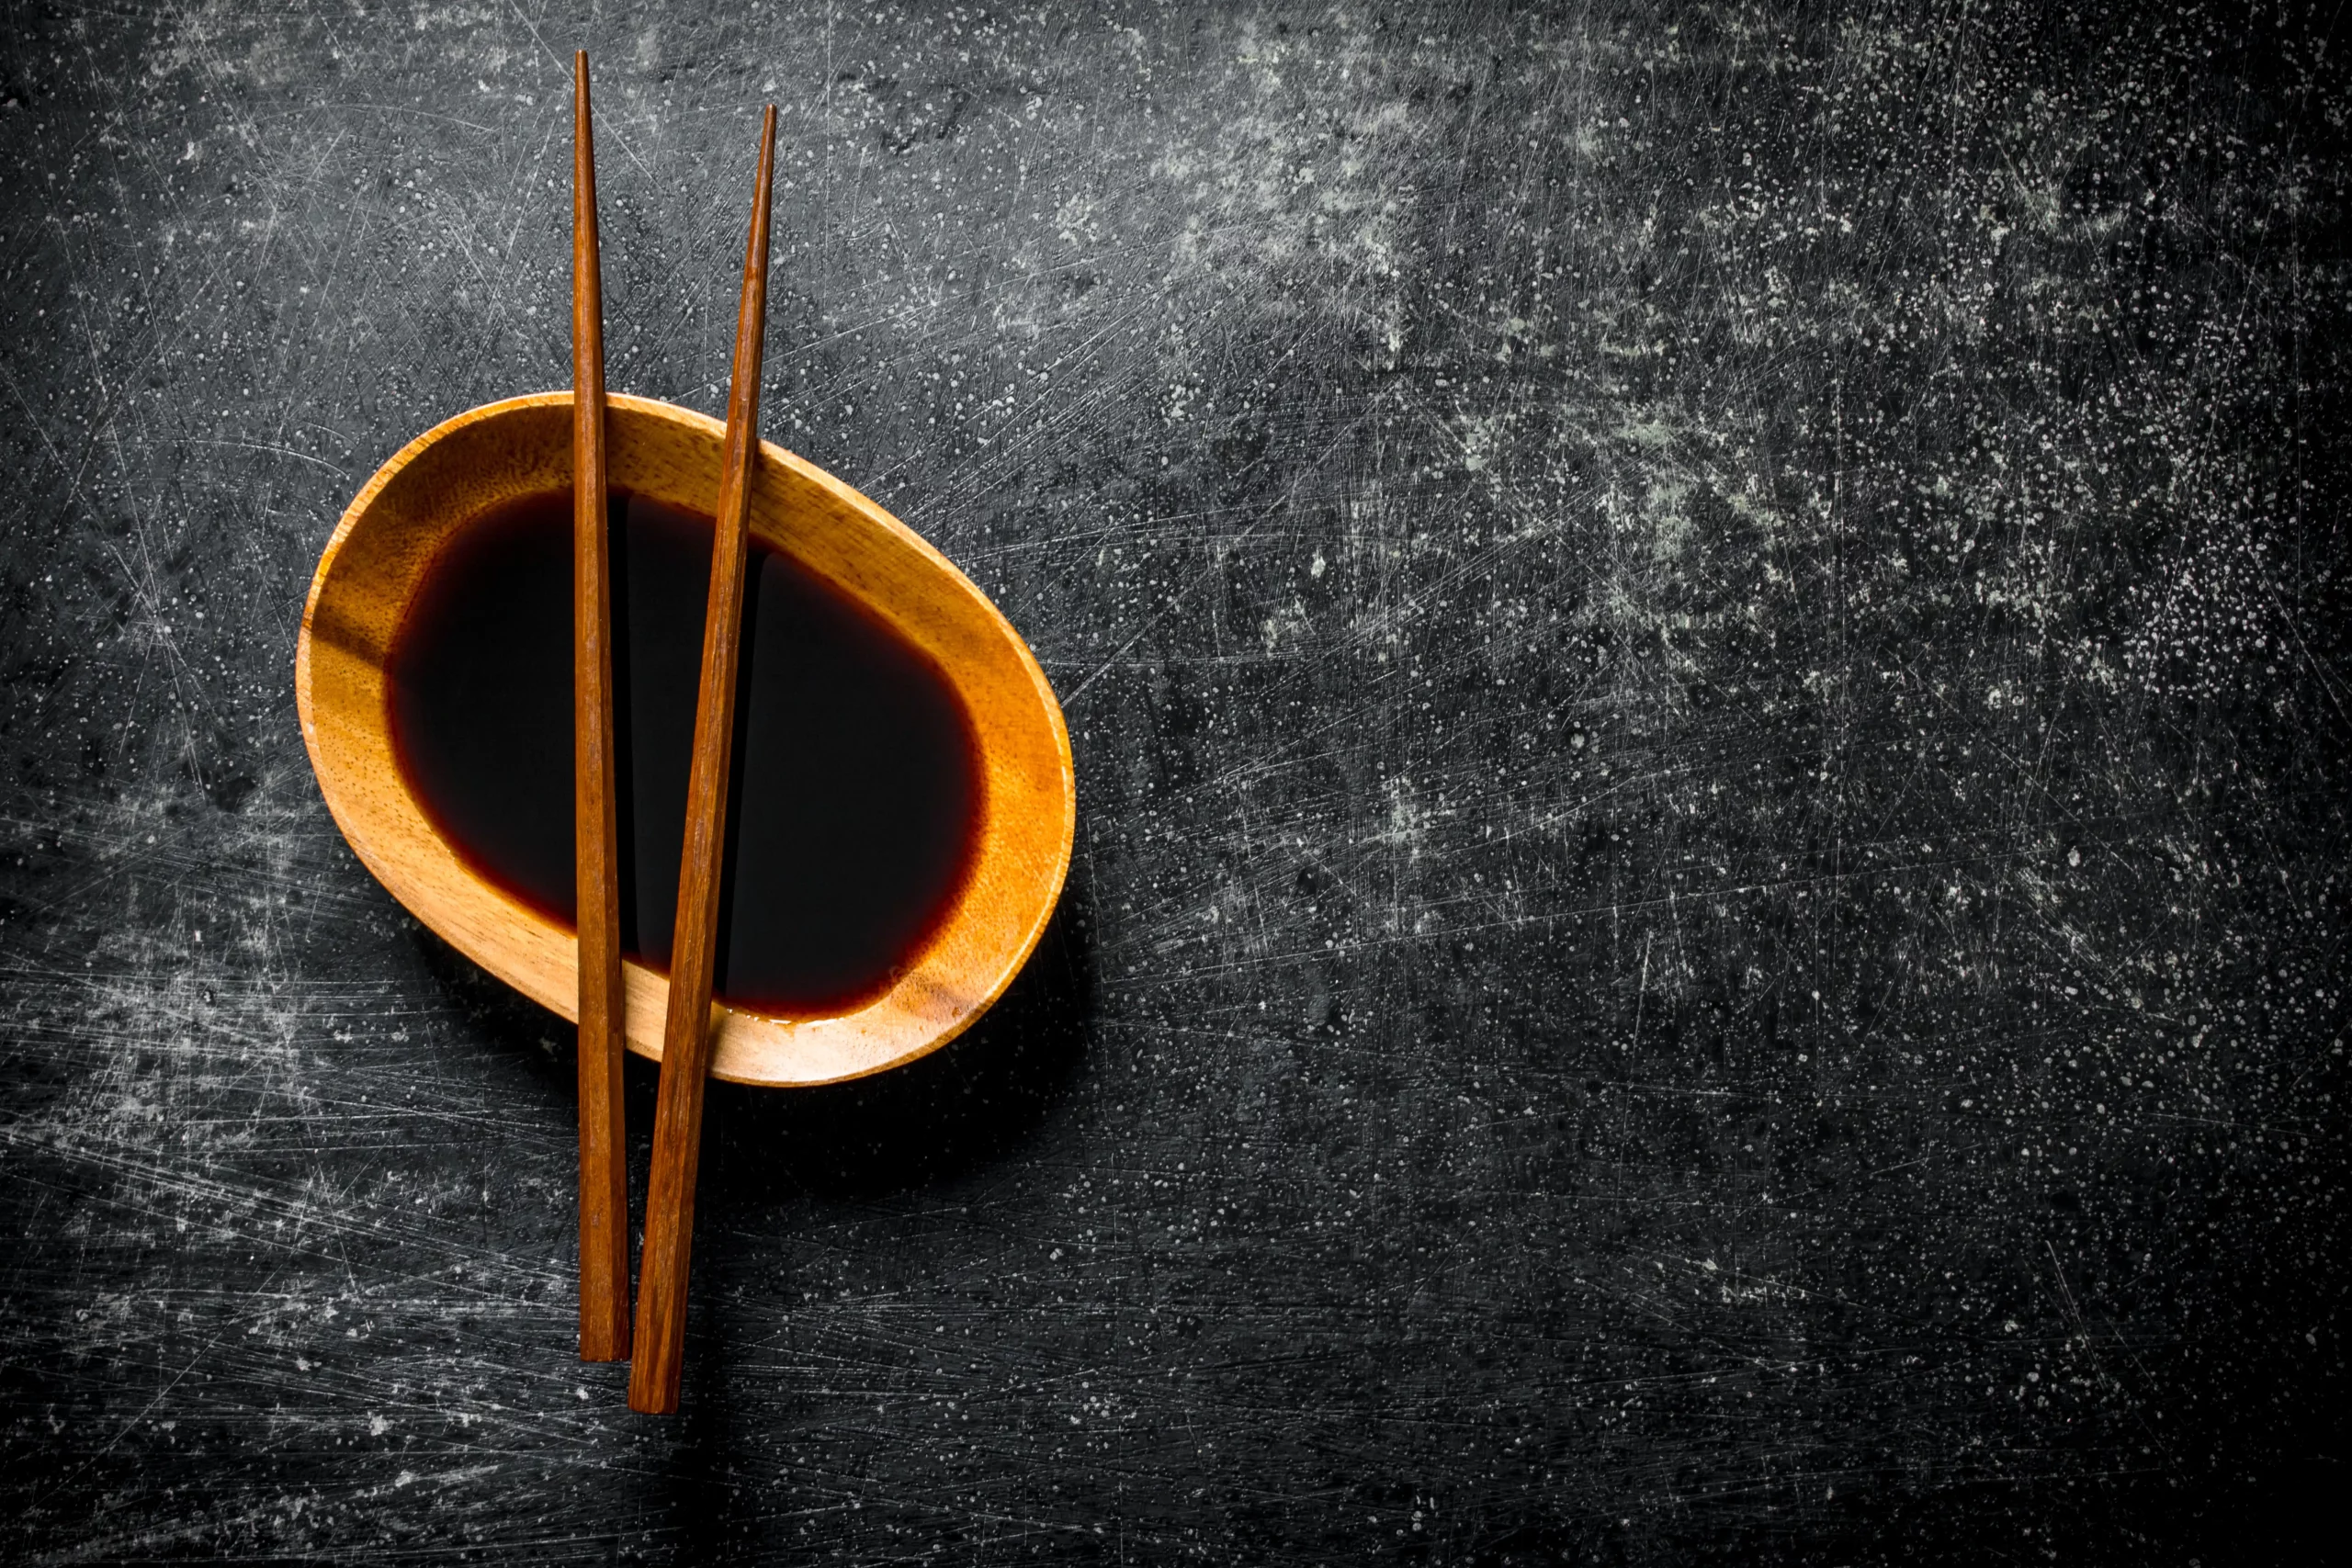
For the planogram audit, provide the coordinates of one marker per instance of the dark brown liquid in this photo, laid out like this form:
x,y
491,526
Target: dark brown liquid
x,y
856,792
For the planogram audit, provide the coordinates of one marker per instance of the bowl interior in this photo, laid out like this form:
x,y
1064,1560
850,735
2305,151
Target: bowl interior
x,y
374,566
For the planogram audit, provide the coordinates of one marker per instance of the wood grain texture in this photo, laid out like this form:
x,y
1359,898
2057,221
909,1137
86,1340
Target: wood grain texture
x,y
693,950
522,447
603,1134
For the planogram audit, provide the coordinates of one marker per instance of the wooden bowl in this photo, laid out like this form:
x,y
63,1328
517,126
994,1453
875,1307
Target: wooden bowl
x,y
504,450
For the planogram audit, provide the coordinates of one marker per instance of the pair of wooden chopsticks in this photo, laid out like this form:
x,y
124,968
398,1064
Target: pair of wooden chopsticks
x,y
686,1035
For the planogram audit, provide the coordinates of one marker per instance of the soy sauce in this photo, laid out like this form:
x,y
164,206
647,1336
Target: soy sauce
x,y
854,805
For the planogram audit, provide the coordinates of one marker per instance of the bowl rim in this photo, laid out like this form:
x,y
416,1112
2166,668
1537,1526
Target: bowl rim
x,y
759,1041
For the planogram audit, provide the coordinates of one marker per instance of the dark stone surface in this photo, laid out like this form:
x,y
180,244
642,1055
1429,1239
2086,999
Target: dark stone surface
x,y
1707,655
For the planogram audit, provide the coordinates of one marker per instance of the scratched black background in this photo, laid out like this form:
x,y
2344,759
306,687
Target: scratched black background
x,y
1707,655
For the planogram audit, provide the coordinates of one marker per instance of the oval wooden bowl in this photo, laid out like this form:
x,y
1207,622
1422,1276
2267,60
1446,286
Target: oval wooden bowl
x,y
504,450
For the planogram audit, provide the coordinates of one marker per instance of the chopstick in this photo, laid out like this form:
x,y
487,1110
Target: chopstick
x,y
685,1031
604,1172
